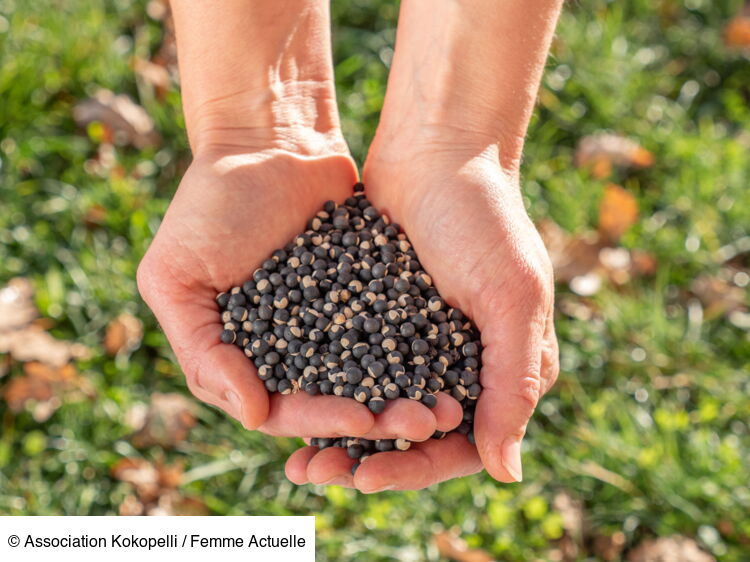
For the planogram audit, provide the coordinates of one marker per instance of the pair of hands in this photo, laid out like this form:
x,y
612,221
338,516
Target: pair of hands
x,y
466,219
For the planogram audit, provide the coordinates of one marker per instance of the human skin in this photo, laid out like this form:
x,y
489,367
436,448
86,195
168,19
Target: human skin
x,y
445,165
262,123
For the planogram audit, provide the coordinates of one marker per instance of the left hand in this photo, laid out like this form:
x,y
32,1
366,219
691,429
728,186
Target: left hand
x,y
466,220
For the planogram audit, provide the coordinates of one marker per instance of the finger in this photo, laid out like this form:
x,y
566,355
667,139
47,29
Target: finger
x,y
424,464
331,466
216,373
550,356
403,418
511,386
296,464
448,412
302,415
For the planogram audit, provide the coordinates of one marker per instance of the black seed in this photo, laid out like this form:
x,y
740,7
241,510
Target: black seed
x,y
362,394
355,451
228,336
371,325
271,385
407,329
384,445
429,400
376,405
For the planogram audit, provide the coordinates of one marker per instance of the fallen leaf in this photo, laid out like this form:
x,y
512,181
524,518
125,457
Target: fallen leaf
x,y
153,74
452,546
603,151
618,211
572,256
156,489
126,121
166,422
45,386
737,32
36,344
123,335
583,261
173,503
669,549
719,296
609,547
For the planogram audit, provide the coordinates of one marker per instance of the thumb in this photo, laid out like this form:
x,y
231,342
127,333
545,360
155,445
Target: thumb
x,y
511,387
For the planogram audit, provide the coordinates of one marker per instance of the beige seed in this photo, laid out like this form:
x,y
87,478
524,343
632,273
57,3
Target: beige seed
x,y
402,444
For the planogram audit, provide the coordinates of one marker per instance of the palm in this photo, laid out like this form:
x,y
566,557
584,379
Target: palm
x,y
228,215
468,226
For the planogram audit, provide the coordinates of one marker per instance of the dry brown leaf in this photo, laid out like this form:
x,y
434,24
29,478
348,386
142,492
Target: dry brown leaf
x,y
719,296
153,74
150,480
609,548
45,386
166,422
737,32
123,335
603,151
583,261
126,121
572,256
618,211
156,489
35,344
452,546
173,503
669,549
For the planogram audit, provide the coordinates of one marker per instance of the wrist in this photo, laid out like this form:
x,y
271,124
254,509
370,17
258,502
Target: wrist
x,y
467,73
257,75
298,118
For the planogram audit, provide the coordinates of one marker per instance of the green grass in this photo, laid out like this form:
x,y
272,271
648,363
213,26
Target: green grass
x,y
645,458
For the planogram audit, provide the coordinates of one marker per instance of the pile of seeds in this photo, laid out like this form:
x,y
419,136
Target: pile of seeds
x,y
346,309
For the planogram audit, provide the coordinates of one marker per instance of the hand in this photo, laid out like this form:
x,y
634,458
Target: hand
x,y
467,222
229,214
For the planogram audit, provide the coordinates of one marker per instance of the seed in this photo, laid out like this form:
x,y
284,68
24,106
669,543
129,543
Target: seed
x,y
355,451
346,309
402,444
414,392
228,336
371,325
376,405
407,329
392,391
429,400
362,394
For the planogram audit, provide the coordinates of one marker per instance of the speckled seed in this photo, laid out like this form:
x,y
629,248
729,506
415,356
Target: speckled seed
x,y
346,309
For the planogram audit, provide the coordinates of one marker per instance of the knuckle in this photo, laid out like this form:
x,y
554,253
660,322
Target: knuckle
x,y
529,390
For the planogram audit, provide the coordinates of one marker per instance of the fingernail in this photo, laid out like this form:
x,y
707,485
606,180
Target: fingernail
x,y
236,404
383,489
511,458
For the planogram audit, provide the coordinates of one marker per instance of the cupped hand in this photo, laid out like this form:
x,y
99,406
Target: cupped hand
x,y
467,222
230,212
